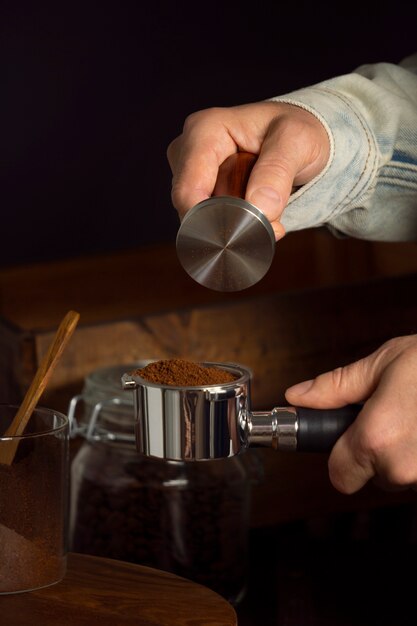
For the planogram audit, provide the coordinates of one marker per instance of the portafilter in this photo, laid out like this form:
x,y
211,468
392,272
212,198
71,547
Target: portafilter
x,y
216,421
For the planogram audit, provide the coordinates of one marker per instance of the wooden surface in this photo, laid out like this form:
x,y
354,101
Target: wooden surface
x,y
122,285
114,593
324,303
284,338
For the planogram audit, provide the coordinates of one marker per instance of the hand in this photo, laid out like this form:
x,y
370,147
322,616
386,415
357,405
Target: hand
x,y
292,144
382,442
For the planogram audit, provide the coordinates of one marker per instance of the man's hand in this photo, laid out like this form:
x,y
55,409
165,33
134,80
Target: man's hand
x,y
292,144
382,442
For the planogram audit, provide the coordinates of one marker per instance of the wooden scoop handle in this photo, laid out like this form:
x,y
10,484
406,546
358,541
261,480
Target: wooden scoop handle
x,y
37,387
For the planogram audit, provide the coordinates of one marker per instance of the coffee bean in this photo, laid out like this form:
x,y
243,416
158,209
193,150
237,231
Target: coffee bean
x,y
187,518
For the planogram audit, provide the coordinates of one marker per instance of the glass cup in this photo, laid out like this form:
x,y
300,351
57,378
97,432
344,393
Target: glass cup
x,y
34,494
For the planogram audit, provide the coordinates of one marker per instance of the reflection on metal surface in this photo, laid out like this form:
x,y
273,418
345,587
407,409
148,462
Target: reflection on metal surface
x,y
191,422
208,422
225,244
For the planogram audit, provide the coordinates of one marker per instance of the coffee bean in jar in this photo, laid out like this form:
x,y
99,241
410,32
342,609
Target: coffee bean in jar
x,y
189,518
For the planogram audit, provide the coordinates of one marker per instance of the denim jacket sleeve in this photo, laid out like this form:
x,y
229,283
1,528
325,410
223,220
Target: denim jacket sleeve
x,y
368,188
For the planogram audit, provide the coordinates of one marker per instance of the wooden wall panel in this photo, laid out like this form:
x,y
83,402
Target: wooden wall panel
x,y
326,303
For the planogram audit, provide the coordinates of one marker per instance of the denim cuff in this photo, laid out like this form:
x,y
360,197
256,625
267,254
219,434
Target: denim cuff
x,y
352,164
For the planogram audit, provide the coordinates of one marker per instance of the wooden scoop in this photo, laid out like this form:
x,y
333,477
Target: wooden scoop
x,y
41,379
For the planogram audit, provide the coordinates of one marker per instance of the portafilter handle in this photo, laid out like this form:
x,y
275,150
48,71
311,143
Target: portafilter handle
x,y
300,429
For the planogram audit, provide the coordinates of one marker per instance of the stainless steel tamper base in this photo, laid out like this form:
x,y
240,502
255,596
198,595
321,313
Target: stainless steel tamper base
x,y
225,243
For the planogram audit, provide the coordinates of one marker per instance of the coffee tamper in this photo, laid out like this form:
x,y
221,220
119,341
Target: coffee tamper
x,y
226,243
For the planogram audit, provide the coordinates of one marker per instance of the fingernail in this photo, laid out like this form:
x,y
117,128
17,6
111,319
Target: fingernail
x,y
301,388
266,199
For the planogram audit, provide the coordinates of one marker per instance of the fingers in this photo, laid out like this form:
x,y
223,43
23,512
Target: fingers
x,y
196,155
344,385
382,442
354,382
351,463
380,445
291,143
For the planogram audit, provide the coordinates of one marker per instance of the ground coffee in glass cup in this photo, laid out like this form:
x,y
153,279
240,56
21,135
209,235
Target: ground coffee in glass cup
x,y
34,493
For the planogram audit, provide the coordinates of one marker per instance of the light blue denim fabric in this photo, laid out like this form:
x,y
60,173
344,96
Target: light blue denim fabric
x,y
368,189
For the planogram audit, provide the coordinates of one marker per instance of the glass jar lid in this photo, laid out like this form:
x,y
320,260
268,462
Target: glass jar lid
x,y
108,410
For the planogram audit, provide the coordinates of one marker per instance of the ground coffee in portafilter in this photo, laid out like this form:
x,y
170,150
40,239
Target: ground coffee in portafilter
x,y
183,373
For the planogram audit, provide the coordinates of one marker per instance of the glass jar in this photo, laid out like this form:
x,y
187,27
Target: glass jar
x,y
190,518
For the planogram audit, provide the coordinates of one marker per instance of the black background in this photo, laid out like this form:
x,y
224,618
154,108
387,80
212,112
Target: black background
x,y
93,93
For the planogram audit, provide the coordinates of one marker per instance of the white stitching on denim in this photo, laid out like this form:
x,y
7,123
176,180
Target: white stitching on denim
x,y
349,198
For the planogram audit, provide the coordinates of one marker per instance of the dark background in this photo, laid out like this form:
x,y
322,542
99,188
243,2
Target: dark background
x,y
93,93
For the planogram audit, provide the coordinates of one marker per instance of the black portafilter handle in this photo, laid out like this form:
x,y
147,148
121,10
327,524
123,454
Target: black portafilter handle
x,y
319,429
299,429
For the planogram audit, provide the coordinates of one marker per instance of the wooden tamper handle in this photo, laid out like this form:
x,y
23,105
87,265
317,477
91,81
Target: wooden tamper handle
x,y
233,175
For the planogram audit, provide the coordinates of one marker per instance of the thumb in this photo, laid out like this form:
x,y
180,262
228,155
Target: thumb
x,y
294,150
271,180
353,383
344,385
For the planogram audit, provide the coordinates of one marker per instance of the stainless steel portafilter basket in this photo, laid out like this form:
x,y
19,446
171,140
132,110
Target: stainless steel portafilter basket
x,y
216,421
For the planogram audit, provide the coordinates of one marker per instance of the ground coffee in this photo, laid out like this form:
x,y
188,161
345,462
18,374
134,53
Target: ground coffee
x,y
183,373
31,534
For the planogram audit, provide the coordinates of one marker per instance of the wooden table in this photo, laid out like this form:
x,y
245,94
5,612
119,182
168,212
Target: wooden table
x,y
109,592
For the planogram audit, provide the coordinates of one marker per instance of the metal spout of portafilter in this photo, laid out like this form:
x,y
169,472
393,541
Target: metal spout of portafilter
x,y
216,421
